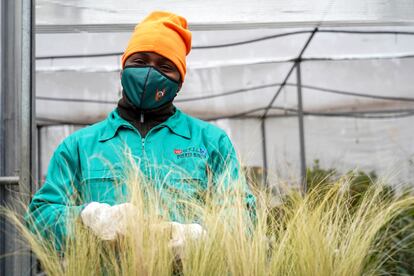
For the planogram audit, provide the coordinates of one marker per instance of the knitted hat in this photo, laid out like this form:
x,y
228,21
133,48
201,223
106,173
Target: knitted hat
x,y
163,33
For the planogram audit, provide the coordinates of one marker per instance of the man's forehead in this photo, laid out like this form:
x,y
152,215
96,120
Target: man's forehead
x,y
150,55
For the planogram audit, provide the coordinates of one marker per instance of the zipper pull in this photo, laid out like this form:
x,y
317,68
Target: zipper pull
x,y
142,118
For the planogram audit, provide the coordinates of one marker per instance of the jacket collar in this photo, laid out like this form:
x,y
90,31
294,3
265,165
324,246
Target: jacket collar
x,y
177,124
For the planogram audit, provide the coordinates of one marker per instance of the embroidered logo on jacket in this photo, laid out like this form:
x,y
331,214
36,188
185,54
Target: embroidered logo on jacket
x,y
159,94
178,151
191,152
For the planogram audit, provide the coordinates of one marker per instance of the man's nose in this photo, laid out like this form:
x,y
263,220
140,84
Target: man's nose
x,y
153,64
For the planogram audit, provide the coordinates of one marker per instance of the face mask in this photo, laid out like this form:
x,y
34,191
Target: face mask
x,y
148,88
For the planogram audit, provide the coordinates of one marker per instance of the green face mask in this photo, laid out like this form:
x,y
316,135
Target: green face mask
x,y
148,88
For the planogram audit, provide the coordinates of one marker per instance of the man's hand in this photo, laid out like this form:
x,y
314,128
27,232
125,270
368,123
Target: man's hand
x,y
181,234
107,221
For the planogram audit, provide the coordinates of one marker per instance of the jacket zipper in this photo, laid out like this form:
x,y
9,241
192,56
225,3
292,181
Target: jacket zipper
x,y
143,145
144,157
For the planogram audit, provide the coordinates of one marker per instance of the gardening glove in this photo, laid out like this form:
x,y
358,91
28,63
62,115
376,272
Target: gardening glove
x,y
107,221
182,233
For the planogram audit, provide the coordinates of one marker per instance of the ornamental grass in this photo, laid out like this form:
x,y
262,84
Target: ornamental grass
x,y
331,230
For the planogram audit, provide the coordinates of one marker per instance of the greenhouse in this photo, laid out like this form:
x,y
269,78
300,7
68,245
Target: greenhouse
x,y
295,85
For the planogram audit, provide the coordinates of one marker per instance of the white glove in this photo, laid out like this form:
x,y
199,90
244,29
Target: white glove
x,y
182,233
107,221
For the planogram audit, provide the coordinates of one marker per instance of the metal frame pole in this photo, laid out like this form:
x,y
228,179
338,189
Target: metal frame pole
x,y
2,138
9,180
28,128
27,121
264,151
16,126
38,158
301,127
9,133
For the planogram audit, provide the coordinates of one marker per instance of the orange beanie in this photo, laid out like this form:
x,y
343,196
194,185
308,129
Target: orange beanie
x,y
163,33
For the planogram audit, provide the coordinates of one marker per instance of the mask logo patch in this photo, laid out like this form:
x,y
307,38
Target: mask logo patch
x,y
159,94
191,152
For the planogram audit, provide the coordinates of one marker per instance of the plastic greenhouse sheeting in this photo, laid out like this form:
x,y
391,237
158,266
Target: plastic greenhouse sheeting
x,y
356,76
232,80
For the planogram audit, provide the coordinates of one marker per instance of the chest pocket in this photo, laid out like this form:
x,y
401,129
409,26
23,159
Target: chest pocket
x,y
186,186
105,186
182,193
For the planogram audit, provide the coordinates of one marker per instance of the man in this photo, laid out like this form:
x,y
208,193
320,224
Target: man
x,y
159,136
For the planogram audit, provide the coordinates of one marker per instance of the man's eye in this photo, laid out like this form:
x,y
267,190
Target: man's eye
x,y
139,61
166,68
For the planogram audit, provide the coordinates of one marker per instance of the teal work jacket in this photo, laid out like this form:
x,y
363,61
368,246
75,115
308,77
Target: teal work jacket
x,y
177,153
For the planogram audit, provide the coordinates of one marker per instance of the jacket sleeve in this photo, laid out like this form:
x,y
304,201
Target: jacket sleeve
x,y
226,171
54,205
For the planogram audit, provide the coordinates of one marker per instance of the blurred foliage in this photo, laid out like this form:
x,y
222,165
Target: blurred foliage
x,y
359,181
254,176
400,250
400,246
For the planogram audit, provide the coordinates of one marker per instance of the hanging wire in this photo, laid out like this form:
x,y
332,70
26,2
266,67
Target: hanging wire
x,y
367,32
292,112
232,44
232,92
288,112
244,90
348,93
74,100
